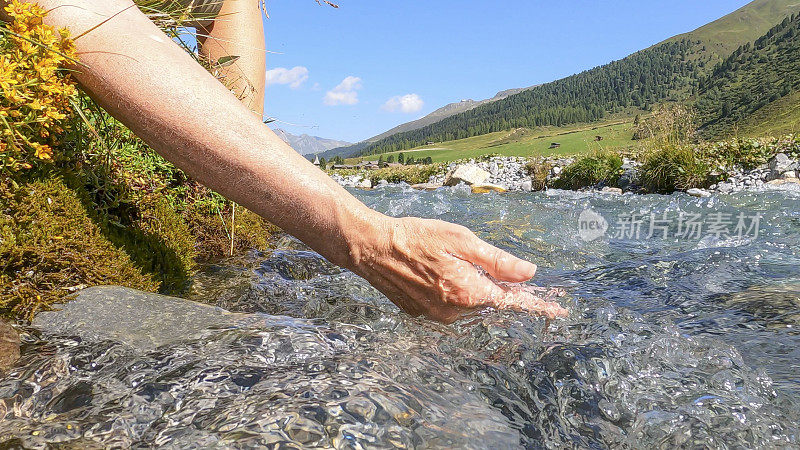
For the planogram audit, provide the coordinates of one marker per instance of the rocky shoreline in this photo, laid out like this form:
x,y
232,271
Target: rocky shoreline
x,y
517,174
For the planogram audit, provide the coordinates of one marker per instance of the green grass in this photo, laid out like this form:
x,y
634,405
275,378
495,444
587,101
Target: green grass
x,y
574,140
778,118
744,25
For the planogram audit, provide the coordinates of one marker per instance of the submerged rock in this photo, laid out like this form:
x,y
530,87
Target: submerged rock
x,y
427,186
486,188
9,346
612,190
140,319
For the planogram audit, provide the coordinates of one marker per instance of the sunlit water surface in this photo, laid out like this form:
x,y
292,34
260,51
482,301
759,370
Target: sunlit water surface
x,y
671,342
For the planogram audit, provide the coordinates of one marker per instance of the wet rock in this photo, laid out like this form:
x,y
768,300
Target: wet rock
x,y
526,185
9,346
629,180
140,319
784,181
699,193
427,186
468,173
486,188
612,190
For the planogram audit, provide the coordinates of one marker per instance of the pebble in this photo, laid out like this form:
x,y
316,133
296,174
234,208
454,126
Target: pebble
x,y
511,174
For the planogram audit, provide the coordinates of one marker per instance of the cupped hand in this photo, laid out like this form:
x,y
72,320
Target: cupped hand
x,y
429,268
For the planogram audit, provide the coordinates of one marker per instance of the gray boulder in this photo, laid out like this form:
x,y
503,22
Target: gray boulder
x,y
629,180
467,173
779,164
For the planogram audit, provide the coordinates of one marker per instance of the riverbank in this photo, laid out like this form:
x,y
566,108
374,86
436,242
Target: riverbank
x,y
700,170
83,201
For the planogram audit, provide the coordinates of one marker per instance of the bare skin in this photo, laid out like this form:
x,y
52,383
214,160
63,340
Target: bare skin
x,y
147,82
238,32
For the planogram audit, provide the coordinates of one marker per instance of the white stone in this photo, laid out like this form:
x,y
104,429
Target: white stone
x,y
468,173
701,193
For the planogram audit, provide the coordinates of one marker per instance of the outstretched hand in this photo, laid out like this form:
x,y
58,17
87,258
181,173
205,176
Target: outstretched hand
x,y
430,268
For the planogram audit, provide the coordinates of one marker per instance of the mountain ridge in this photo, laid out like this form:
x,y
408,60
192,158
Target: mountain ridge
x,y
669,71
439,114
308,145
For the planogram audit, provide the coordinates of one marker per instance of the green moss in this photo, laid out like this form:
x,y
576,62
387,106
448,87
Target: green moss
x,y
212,234
49,246
597,168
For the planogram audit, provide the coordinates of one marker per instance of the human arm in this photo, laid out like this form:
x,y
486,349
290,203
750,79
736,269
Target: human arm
x,y
146,81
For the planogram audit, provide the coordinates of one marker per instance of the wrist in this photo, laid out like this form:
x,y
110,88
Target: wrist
x,y
364,233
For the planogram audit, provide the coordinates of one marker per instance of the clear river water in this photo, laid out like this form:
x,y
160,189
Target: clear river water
x,y
677,338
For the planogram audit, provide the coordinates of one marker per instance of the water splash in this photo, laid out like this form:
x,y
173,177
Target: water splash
x,y
670,343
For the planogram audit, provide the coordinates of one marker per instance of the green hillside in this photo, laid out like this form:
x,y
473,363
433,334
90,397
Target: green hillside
x,y
573,140
778,118
746,24
753,77
670,71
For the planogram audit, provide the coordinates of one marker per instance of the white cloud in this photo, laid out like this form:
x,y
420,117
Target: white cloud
x,y
346,93
294,77
407,104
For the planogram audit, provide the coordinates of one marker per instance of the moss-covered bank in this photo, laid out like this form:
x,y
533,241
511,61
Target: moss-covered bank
x,y
55,239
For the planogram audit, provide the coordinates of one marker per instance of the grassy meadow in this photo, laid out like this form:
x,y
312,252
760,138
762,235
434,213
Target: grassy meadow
x,y
574,140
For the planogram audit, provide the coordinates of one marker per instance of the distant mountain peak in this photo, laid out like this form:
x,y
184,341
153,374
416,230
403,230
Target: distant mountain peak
x,y
308,145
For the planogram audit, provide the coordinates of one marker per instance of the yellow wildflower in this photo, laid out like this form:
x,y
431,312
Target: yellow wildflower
x,y
34,93
42,151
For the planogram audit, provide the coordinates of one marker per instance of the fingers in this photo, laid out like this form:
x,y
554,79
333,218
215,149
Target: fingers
x,y
471,290
499,264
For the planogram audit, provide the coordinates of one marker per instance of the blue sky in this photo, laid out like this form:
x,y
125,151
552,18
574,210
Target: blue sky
x,y
354,72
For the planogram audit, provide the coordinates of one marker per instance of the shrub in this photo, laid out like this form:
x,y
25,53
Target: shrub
x,y
35,105
673,168
602,167
406,174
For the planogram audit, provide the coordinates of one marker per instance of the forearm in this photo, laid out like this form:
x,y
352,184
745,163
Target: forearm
x,y
145,80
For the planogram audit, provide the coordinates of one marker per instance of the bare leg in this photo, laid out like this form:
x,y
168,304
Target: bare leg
x,y
239,31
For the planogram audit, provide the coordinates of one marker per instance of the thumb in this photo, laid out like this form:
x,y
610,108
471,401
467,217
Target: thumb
x,y
501,265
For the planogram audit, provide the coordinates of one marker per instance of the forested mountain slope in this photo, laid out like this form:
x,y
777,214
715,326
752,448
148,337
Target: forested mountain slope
x,y
754,76
670,71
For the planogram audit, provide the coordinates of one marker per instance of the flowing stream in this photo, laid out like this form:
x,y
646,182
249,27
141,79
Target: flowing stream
x,y
673,341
